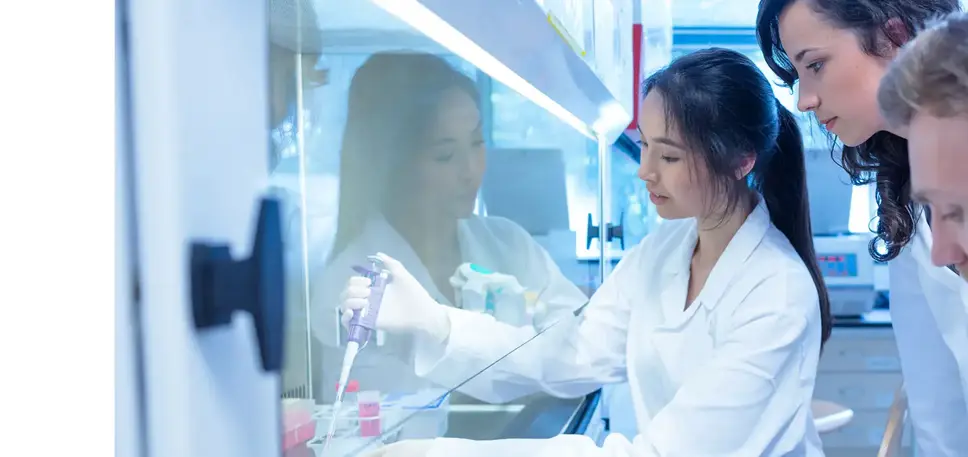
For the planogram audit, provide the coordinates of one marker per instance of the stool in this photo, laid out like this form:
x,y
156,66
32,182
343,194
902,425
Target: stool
x,y
829,416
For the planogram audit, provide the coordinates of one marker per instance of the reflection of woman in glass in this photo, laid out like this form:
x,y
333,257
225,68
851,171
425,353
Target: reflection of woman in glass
x,y
412,162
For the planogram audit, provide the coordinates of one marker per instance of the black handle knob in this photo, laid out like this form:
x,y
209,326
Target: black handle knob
x,y
590,233
221,285
612,232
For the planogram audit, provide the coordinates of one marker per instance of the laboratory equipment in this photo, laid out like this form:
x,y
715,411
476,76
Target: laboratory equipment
x,y
249,412
848,271
361,327
499,295
527,186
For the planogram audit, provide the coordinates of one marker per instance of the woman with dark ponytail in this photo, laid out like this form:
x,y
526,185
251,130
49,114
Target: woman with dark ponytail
x,y
716,319
835,52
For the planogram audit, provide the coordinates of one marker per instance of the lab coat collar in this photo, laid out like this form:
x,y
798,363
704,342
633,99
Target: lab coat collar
x,y
749,235
680,259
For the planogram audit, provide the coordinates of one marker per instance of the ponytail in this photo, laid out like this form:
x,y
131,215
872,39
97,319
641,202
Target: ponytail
x,y
784,187
725,110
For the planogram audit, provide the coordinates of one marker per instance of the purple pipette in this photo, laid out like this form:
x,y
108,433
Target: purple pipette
x,y
361,327
363,323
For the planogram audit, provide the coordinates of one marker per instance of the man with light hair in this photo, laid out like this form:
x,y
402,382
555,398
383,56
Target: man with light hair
x,y
925,95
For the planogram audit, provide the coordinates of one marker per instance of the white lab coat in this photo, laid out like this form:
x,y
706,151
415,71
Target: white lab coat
x,y
495,243
732,375
930,320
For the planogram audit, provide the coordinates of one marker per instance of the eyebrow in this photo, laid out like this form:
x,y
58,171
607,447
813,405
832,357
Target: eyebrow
x,y
449,140
922,196
669,142
800,54
660,140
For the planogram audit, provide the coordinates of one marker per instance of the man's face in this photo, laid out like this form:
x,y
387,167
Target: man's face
x,y
939,177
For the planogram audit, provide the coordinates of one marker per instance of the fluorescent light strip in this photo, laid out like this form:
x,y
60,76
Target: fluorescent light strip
x,y
421,18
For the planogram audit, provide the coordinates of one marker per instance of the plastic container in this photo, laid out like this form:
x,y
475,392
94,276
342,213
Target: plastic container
x,y
369,413
298,424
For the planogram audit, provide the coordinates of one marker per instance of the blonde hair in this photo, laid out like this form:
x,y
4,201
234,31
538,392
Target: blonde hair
x,y
930,74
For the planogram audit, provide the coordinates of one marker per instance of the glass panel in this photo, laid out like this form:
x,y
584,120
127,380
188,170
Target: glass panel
x,y
520,125
383,141
630,201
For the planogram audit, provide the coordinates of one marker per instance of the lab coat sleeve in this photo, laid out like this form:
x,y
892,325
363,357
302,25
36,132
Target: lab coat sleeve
x,y
717,411
559,295
574,357
929,322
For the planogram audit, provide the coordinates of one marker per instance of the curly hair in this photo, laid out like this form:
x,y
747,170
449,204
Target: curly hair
x,y
883,158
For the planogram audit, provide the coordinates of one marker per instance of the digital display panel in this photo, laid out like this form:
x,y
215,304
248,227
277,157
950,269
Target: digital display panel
x,y
838,265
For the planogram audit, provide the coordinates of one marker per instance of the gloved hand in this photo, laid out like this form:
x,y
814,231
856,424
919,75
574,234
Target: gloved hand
x,y
501,295
406,307
406,448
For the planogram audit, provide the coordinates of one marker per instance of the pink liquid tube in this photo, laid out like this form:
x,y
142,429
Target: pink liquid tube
x,y
369,413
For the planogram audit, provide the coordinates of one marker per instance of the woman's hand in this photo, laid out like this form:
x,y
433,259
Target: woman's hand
x,y
406,306
408,448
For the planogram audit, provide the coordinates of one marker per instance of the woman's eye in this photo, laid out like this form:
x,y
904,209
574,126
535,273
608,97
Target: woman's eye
x,y
443,157
670,159
816,66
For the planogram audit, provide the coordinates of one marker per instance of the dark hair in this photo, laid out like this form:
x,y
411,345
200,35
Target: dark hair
x,y
724,109
882,159
393,100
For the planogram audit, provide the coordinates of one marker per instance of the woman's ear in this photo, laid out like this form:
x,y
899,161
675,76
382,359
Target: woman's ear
x,y
746,166
897,35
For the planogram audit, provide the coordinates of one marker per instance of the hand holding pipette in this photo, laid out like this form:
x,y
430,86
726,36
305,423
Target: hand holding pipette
x,y
361,326
406,307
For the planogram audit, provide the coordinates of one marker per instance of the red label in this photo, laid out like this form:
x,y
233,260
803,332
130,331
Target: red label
x,y
636,73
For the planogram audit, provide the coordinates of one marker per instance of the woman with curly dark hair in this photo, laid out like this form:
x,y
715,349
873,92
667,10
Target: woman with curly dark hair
x,y
835,52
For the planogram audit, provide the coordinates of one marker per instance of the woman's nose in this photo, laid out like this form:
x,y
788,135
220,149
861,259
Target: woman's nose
x,y
807,99
645,173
